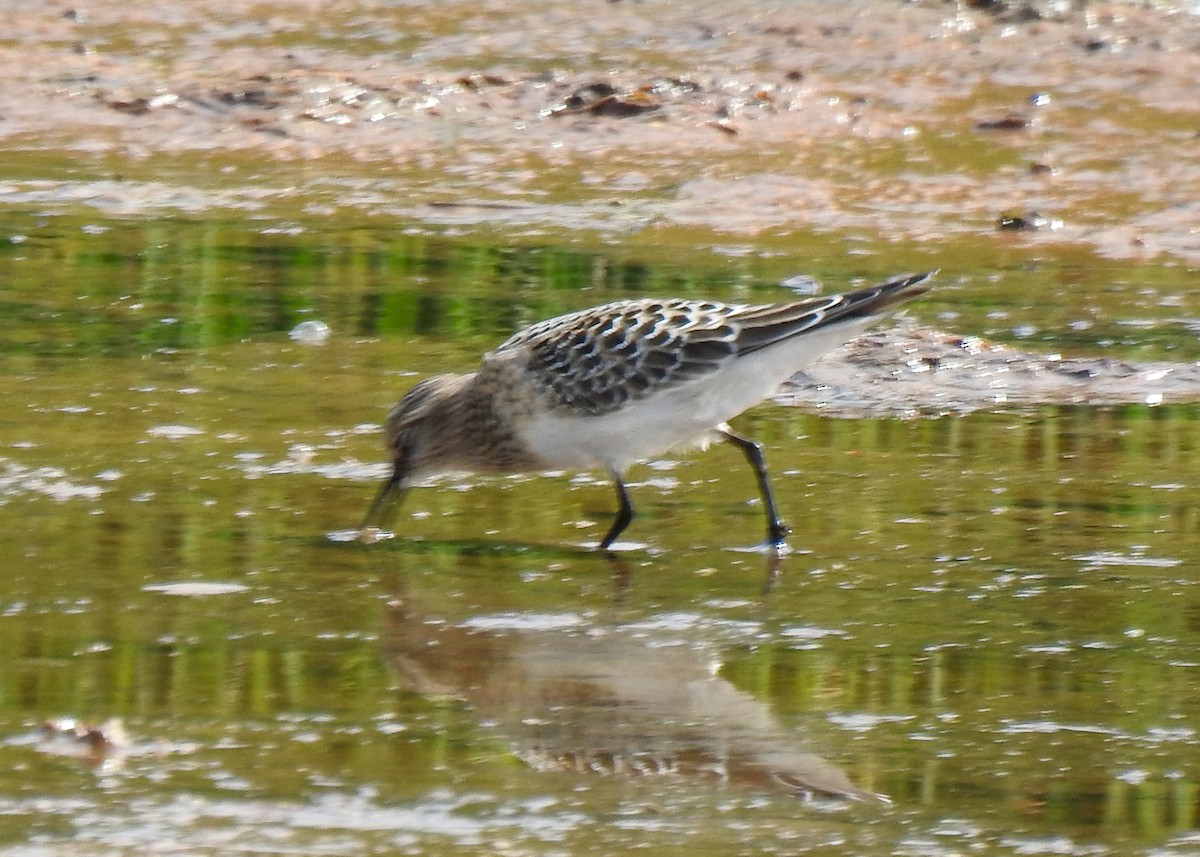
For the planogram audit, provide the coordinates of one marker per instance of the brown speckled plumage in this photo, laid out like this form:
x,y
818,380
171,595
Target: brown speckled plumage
x,y
619,383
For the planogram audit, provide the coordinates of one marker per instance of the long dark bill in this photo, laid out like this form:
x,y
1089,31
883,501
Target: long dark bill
x,y
383,507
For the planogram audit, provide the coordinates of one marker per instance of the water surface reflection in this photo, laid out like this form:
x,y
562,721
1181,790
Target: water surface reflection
x,y
991,619
574,695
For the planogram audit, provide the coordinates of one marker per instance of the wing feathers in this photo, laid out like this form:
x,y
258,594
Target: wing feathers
x,y
596,360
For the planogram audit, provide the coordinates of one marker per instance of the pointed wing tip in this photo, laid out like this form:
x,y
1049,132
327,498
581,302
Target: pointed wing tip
x,y
897,289
904,282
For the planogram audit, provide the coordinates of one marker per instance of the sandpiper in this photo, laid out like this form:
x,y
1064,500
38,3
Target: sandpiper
x,y
620,383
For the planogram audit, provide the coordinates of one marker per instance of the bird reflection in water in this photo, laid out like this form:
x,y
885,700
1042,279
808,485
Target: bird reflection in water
x,y
573,696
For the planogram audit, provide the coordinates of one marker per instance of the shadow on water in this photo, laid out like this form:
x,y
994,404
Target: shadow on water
x,y
622,563
400,547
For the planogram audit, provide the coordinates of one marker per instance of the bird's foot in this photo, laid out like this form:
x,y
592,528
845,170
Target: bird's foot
x,y
777,534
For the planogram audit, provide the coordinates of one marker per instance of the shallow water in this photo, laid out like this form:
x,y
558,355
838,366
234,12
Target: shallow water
x,y
990,619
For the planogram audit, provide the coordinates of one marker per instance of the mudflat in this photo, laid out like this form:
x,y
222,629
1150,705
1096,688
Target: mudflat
x,y
909,122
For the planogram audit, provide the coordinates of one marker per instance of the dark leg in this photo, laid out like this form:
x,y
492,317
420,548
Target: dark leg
x,y
384,501
776,531
624,514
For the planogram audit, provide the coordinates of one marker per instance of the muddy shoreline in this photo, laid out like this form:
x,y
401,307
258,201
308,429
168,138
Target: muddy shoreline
x,y
908,120
905,122
909,370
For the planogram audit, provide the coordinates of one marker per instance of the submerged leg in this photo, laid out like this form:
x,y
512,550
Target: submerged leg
x,y
776,531
383,507
624,513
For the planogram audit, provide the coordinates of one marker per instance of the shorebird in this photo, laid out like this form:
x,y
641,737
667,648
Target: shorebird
x,y
617,384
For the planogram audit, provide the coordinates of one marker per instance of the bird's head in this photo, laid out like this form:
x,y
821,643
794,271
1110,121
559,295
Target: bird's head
x,y
415,434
